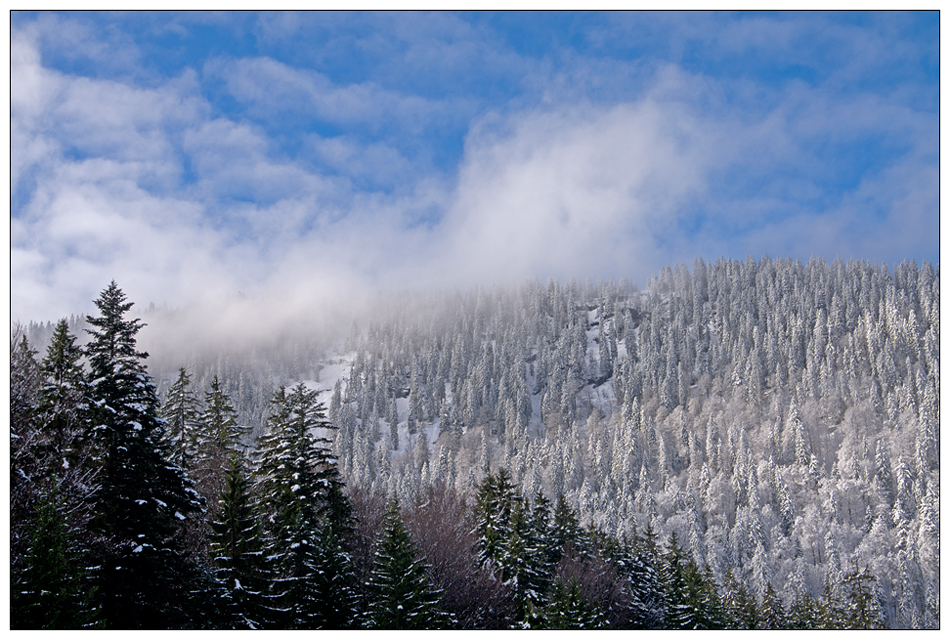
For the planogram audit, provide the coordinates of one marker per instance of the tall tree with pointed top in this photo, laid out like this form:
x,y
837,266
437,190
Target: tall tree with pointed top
x,y
143,576
237,547
303,510
180,412
403,597
48,593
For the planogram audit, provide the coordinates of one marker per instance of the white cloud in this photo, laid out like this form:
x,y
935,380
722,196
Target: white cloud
x,y
269,86
180,203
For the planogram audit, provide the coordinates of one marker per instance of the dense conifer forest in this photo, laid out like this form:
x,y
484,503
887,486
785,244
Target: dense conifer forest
x,y
742,444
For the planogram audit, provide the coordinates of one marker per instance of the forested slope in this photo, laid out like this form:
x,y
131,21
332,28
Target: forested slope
x,y
760,430
780,418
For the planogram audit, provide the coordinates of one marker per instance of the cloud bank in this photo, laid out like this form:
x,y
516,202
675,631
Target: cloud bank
x,y
296,184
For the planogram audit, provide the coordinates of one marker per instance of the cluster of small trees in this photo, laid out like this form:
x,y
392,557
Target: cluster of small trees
x,y
565,576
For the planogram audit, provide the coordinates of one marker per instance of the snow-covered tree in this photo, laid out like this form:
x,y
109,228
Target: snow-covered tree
x,y
143,575
401,592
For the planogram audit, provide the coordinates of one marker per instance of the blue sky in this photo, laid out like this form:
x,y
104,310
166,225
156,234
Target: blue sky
x,y
312,156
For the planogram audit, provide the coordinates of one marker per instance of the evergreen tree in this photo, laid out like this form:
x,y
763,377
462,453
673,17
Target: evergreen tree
x,y
299,491
803,613
567,608
648,600
679,612
523,559
402,595
180,413
702,597
772,613
336,599
832,613
26,466
222,430
144,578
567,536
740,608
863,609
64,399
52,481
217,440
238,550
25,381
494,504
48,591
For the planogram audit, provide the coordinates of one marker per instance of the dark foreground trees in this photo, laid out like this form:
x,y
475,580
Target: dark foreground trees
x,y
142,572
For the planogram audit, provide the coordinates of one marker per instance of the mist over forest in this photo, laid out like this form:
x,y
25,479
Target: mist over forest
x,y
770,426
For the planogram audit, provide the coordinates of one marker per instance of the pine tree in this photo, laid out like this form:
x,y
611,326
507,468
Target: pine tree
x,y
772,614
679,613
803,612
523,559
494,504
52,481
217,439
299,492
567,536
402,595
48,591
702,597
335,597
863,609
237,546
25,381
64,398
831,607
740,609
26,464
648,601
567,608
180,413
144,578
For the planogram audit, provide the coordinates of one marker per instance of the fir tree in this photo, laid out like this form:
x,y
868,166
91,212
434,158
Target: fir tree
x,y
26,464
180,412
679,611
299,491
335,596
237,546
567,608
144,577
494,504
403,597
567,536
64,398
863,609
739,608
803,612
48,590
772,614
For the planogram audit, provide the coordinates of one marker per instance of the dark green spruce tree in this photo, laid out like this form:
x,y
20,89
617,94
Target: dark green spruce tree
x,y
673,575
567,608
643,566
181,414
144,578
402,597
299,492
220,436
66,480
237,548
49,591
863,609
